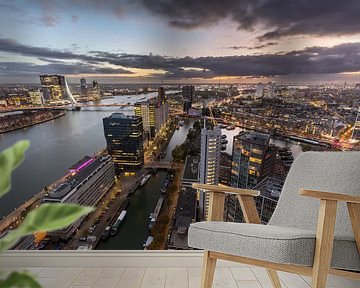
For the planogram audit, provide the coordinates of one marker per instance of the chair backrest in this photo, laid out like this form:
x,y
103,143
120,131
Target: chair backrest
x,y
324,171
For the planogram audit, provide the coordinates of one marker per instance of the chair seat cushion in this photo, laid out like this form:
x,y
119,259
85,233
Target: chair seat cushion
x,y
270,243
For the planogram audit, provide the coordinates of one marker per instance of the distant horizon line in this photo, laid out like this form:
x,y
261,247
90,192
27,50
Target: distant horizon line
x,y
312,83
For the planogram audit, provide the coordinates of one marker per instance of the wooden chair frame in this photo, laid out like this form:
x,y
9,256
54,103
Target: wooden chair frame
x,y
324,235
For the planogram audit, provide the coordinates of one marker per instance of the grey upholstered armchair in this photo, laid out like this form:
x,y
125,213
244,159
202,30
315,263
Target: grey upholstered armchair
x,y
315,229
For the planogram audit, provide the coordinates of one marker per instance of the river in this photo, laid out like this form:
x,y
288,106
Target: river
x,y
55,146
58,144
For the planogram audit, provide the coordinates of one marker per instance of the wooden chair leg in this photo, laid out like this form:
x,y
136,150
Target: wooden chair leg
x,y
274,278
354,212
208,271
324,243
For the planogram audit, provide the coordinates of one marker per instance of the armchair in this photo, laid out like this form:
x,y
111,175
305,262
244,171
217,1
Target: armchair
x,y
312,232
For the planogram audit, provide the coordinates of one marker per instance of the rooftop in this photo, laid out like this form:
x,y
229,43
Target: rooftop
x,y
81,163
191,168
121,116
254,137
86,169
143,269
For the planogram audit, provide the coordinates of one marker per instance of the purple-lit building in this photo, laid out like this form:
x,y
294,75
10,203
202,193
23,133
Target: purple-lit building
x,y
91,178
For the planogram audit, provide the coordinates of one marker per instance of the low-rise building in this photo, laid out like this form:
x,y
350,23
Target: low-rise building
x,y
185,214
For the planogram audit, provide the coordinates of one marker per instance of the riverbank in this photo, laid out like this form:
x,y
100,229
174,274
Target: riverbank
x,y
163,223
21,121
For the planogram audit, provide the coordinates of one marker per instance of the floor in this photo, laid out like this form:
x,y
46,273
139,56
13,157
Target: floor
x,y
157,272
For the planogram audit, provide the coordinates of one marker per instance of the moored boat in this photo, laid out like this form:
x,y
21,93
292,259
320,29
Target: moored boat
x,y
145,179
119,220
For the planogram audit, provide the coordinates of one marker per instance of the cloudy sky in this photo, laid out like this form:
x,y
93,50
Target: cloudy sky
x,y
180,40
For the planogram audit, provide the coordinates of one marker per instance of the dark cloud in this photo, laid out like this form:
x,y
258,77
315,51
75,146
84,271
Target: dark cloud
x,y
277,18
256,47
280,17
51,10
26,69
12,46
311,60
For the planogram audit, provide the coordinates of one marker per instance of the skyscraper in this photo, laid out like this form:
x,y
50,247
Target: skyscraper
x,y
248,163
146,110
251,162
209,163
188,93
96,90
154,114
124,138
162,98
83,83
53,87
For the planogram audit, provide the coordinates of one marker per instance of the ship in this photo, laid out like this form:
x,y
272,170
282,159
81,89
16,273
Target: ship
x,y
106,233
148,241
153,216
119,220
223,147
145,179
181,123
223,136
76,108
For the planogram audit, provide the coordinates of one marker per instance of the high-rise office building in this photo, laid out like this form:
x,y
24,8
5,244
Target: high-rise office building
x,y
225,169
146,110
259,90
154,114
209,163
248,163
356,129
83,88
124,138
162,115
95,90
53,87
188,93
162,98
83,83
253,159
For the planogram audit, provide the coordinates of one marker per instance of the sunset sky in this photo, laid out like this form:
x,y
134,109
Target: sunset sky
x,y
180,40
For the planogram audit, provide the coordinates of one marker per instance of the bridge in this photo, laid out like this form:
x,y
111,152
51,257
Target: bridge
x,y
159,165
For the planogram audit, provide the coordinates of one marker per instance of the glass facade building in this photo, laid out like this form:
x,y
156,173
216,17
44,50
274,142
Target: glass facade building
x,y
248,163
54,87
124,138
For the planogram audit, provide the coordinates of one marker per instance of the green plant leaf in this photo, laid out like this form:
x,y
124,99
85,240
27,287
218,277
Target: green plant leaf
x,y
53,216
20,280
11,158
47,217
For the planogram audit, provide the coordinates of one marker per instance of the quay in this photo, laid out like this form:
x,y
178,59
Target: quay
x,y
58,115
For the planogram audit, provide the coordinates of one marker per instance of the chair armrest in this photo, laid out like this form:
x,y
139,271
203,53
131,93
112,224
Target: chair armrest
x,y
217,197
226,189
323,195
